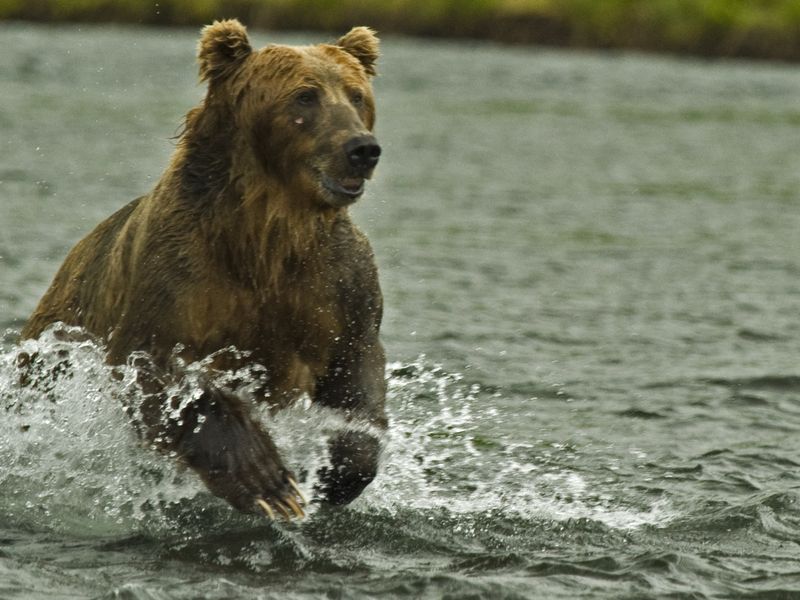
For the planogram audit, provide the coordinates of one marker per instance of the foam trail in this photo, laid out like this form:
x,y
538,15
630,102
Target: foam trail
x,y
436,424
72,461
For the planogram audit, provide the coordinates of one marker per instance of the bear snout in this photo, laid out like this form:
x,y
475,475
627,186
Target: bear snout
x,y
362,152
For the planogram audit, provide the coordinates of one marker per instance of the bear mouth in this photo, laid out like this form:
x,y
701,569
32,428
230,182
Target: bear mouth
x,y
347,188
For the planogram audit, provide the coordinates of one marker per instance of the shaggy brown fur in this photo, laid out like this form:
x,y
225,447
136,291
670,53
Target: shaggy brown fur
x,y
246,241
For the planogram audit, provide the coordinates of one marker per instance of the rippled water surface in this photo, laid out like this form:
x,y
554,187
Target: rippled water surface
x,y
592,276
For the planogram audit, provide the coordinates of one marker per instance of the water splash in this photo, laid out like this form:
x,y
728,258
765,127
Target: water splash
x,y
439,456
72,462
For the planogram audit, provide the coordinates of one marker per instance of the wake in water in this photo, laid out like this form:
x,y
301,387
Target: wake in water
x,y
71,455
73,463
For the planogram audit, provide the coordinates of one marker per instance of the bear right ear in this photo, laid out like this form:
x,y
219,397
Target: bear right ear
x,y
223,47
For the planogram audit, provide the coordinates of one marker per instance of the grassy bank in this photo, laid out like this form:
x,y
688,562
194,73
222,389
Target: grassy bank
x,y
749,28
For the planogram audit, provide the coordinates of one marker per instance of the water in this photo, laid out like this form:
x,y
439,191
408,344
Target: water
x,y
592,276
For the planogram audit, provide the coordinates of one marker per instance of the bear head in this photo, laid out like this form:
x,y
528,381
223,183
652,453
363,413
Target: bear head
x,y
305,114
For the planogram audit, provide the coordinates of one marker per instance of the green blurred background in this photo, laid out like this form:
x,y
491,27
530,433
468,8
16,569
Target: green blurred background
x,y
749,28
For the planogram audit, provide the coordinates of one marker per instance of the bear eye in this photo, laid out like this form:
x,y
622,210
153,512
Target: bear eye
x,y
306,97
357,98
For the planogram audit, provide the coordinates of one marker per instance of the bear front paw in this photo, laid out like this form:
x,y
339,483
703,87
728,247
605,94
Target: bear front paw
x,y
354,464
237,459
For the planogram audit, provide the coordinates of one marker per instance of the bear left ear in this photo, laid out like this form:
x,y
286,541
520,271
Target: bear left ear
x,y
362,43
223,47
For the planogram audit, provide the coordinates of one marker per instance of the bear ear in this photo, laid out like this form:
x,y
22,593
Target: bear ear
x,y
362,43
223,47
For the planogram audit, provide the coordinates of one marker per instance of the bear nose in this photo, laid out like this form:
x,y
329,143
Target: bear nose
x,y
363,151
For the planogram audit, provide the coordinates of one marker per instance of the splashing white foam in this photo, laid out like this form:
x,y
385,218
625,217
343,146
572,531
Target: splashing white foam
x,y
71,457
71,461
436,457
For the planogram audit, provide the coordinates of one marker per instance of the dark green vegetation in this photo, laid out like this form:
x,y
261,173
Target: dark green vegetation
x,y
753,28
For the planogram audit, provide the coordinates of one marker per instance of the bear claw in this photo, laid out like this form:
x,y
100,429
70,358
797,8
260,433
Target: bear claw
x,y
297,491
266,508
298,511
287,506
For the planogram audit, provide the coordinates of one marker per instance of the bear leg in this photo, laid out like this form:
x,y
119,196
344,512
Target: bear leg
x,y
354,464
235,457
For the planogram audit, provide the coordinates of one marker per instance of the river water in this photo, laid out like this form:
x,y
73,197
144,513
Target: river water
x,y
591,265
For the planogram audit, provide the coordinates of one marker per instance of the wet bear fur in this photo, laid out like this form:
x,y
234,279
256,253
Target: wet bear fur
x,y
246,242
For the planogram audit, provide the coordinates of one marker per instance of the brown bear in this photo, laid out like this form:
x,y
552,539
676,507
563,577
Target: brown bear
x,y
246,242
